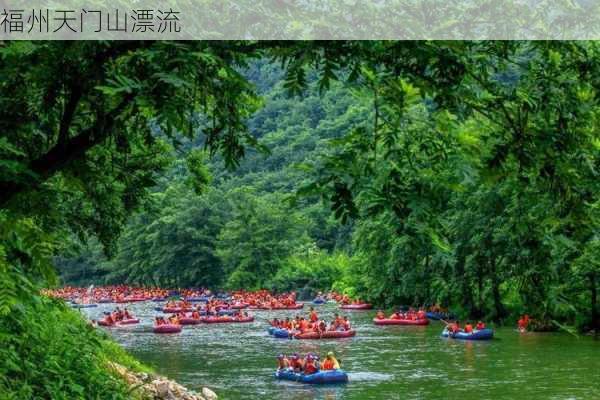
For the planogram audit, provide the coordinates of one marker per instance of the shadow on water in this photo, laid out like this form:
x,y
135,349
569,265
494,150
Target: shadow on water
x,y
393,362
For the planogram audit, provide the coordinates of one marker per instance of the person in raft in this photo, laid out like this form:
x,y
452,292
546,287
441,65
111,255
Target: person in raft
x,y
330,362
523,323
454,327
160,321
468,328
313,317
346,324
296,363
282,362
480,326
310,365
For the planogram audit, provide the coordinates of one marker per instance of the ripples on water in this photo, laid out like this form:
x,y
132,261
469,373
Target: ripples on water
x,y
237,361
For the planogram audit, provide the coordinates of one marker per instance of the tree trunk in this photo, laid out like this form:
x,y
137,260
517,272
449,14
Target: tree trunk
x,y
499,310
465,293
595,323
479,311
426,282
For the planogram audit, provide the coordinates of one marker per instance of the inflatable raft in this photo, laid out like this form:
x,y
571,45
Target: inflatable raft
x,y
173,310
197,299
167,328
363,306
104,322
393,321
334,376
128,321
484,334
226,319
280,333
326,335
319,300
294,307
190,321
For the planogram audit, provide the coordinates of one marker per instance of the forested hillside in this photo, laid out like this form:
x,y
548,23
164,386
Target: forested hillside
x,y
426,208
245,227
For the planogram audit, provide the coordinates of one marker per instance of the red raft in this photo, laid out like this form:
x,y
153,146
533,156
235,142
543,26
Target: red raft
x,y
294,307
128,321
167,328
393,321
131,299
226,319
175,310
189,321
104,322
326,335
362,306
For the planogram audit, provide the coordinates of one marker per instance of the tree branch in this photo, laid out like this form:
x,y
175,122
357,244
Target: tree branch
x,y
62,154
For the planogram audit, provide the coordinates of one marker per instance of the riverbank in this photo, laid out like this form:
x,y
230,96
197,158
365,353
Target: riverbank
x,y
50,351
156,387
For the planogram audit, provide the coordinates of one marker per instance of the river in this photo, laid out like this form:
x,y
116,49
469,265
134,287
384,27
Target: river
x,y
237,360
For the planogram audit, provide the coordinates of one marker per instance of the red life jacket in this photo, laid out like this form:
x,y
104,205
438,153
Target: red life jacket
x,y
310,367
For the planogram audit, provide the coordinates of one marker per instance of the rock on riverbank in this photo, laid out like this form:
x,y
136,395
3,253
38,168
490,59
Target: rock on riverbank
x,y
157,387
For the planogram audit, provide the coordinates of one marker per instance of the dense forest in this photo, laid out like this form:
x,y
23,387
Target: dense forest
x,y
244,227
436,216
404,173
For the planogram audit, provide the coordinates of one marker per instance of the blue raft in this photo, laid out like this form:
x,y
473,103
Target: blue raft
x,y
484,334
334,376
318,300
279,333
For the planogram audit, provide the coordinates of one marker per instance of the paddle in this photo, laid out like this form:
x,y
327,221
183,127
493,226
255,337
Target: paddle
x,y
448,323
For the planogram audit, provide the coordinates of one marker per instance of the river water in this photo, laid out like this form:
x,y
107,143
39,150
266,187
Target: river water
x,y
237,361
